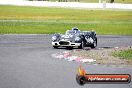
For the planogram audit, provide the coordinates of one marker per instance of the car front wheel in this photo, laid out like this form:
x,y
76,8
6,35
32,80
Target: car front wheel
x,y
82,45
55,47
94,44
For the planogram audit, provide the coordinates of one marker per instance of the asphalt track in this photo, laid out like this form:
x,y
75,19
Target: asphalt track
x,y
26,62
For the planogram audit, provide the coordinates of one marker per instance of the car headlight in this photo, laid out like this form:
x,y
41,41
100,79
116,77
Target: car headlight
x,y
54,38
77,38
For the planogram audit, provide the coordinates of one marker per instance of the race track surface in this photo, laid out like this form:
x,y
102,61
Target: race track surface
x,y
26,62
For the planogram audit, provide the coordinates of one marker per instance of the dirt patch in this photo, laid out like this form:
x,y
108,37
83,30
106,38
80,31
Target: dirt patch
x,y
103,55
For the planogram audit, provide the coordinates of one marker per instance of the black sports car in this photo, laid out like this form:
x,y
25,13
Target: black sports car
x,y
75,38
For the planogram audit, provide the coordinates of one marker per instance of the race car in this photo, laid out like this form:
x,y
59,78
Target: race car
x,y
75,38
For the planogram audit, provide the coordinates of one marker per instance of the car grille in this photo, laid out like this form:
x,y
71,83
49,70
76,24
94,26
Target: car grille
x,y
63,43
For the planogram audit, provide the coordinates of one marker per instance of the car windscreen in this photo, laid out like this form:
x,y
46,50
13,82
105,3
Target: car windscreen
x,y
71,32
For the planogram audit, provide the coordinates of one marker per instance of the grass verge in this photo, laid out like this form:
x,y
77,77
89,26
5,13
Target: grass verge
x,y
42,27
124,54
41,20
107,56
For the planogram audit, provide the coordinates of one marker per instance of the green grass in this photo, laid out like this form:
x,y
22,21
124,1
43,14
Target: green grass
x,y
125,54
30,20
